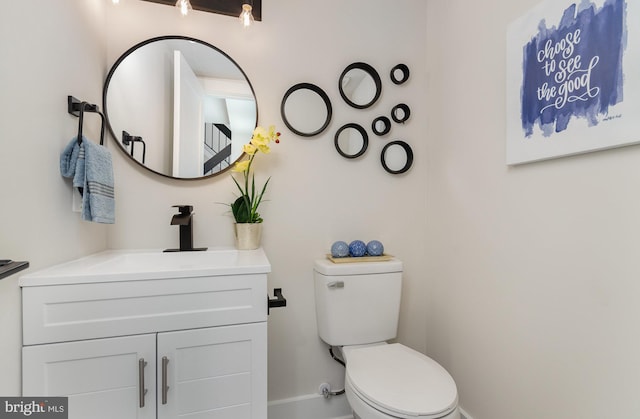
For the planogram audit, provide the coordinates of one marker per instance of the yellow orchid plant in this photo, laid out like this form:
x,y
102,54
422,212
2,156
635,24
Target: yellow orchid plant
x,y
245,207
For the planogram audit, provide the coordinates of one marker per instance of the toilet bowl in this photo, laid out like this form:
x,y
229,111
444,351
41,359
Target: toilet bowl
x,y
357,310
393,381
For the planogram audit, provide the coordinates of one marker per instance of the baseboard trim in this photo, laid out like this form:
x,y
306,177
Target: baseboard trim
x,y
310,406
464,414
314,406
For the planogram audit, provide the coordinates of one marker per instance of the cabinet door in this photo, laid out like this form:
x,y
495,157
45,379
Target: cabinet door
x,y
214,373
101,377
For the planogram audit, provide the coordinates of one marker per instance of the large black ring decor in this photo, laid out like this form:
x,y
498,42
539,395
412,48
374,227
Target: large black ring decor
x,y
347,90
365,141
400,113
381,126
408,151
292,124
404,74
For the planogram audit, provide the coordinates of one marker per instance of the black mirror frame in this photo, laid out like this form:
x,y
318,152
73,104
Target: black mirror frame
x,y
387,126
403,107
408,151
128,52
405,74
320,93
365,140
374,75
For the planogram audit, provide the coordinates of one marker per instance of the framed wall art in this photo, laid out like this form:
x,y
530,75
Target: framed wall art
x,y
573,79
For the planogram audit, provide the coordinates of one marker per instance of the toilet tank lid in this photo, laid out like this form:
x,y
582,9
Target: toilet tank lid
x,y
327,267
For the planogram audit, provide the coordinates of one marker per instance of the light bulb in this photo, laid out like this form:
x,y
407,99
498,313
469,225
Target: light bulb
x,y
246,17
115,1
184,6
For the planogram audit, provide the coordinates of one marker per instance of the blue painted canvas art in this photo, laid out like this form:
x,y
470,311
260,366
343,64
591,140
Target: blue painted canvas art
x,y
572,79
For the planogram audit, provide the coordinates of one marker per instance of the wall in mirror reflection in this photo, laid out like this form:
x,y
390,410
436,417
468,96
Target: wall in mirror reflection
x,y
189,103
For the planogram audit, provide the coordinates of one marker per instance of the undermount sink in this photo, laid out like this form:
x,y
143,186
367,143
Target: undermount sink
x,y
127,265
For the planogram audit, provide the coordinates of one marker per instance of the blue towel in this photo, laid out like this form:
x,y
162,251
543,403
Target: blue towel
x,y
90,166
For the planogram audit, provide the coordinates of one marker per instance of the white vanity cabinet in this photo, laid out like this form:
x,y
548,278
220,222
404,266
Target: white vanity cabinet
x,y
120,343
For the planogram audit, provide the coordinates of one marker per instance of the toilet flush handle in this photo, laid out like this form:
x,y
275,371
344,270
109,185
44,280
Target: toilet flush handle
x,y
336,284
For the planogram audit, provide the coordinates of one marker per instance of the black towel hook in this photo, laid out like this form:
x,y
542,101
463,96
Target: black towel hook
x,y
77,108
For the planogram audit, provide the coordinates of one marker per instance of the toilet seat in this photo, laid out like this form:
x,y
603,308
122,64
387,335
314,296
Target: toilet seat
x,y
400,382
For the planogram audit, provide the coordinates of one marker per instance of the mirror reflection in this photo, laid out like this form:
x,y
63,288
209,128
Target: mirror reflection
x,y
397,157
189,102
306,109
360,85
351,141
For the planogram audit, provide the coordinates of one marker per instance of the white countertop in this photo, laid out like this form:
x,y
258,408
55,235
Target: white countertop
x,y
131,265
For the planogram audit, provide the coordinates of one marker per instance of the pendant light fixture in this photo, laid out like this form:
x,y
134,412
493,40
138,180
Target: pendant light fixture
x,y
184,6
246,17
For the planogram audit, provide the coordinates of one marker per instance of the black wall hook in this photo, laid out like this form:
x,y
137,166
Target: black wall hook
x,y
77,108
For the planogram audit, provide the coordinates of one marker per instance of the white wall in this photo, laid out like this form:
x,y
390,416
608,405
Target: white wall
x,y
533,270
49,50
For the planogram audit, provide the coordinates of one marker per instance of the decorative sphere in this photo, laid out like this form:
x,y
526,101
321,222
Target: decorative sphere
x,y
339,249
375,248
357,248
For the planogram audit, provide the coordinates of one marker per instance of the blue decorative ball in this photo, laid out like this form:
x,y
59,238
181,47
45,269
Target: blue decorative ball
x,y
357,248
375,248
339,249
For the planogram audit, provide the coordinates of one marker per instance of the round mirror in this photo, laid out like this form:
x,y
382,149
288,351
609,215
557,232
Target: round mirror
x,y
306,109
360,85
400,113
351,141
381,126
180,107
396,157
399,74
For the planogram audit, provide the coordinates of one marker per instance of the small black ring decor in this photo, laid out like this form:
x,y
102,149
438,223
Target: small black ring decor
x,y
365,140
403,107
405,74
371,72
320,93
386,127
407,150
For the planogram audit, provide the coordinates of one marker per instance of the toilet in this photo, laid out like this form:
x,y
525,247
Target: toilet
x,y
357,310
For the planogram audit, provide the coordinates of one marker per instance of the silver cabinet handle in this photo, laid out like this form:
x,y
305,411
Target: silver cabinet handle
x,y
165,387
143,391
336,284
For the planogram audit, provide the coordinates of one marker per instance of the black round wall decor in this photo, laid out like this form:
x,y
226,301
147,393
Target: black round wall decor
x,y
360,85
302,102
408,152
400,113
399,74
381,126
344,142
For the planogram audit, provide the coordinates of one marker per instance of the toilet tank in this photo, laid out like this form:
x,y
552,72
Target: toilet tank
x,y
357,303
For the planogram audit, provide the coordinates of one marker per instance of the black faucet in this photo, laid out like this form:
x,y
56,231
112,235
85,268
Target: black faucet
x,y
184,219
